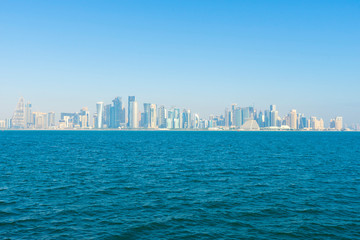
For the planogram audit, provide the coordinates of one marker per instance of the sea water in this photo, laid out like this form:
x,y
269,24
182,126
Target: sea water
x,y
179,185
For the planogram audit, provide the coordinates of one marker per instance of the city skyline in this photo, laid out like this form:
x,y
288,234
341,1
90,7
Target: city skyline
x,y
284,108
115,115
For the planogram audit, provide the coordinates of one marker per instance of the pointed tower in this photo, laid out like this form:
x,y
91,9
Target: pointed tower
x,y
18,119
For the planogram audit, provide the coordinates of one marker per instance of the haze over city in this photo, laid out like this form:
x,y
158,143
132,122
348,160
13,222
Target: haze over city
x,y
204,55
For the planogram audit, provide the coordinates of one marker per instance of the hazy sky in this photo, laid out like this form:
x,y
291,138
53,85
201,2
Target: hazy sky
x,y
203,55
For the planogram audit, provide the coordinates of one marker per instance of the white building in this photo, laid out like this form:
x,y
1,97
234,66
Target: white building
x,y
99,111
133,121
293,119
338,123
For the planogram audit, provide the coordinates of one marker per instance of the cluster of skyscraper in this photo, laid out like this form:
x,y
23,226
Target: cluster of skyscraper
x,y
113,116
25,118
153,116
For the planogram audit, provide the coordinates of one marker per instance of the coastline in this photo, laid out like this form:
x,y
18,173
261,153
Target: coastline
x,y
183,130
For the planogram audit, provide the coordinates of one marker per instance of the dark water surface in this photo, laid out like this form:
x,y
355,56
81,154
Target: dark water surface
x,y
179,185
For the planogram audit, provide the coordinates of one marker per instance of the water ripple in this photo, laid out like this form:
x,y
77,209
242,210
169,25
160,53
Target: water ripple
x,y
179,185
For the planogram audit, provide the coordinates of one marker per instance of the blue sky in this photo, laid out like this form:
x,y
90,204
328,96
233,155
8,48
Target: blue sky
x,y
203,55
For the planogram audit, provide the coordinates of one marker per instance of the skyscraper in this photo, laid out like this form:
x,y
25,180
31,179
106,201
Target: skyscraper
x,y
119,112
153,123
227,118
196,121
162,117
237,117
18,119
146,120
28,115
99,113
267,118
316,124
273,116
261,119
293,119
84,118
107,115
132,112
233,108
40,120
338,123
176,118
303,122
51,119
245,115
170,119
186,118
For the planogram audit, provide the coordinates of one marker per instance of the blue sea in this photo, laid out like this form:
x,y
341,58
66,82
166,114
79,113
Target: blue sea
x,y
179,185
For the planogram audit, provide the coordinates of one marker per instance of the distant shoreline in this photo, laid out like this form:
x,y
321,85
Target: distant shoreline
x,y
181,130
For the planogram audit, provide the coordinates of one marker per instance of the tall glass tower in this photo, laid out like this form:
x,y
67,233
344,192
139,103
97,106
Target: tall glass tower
x,y
132,112
99,110
147,115
118,112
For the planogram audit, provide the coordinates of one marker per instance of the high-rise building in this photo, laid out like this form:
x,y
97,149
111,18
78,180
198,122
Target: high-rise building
x,y
28,115
303,123
153,117
233,108
51,120
146,120
186,119
161,116
293,119
196,121
132,112
321,124
78,119
95,121
231,119
246,114
8,123
227,118
267,118
181,119
70,120
237,117
176,118
84,118
170,119
261,119
338,123
118,113
332,123
252,113
274,115
99,114
211,121
112,117
18,119
313,123
316,124
106,119
40,120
